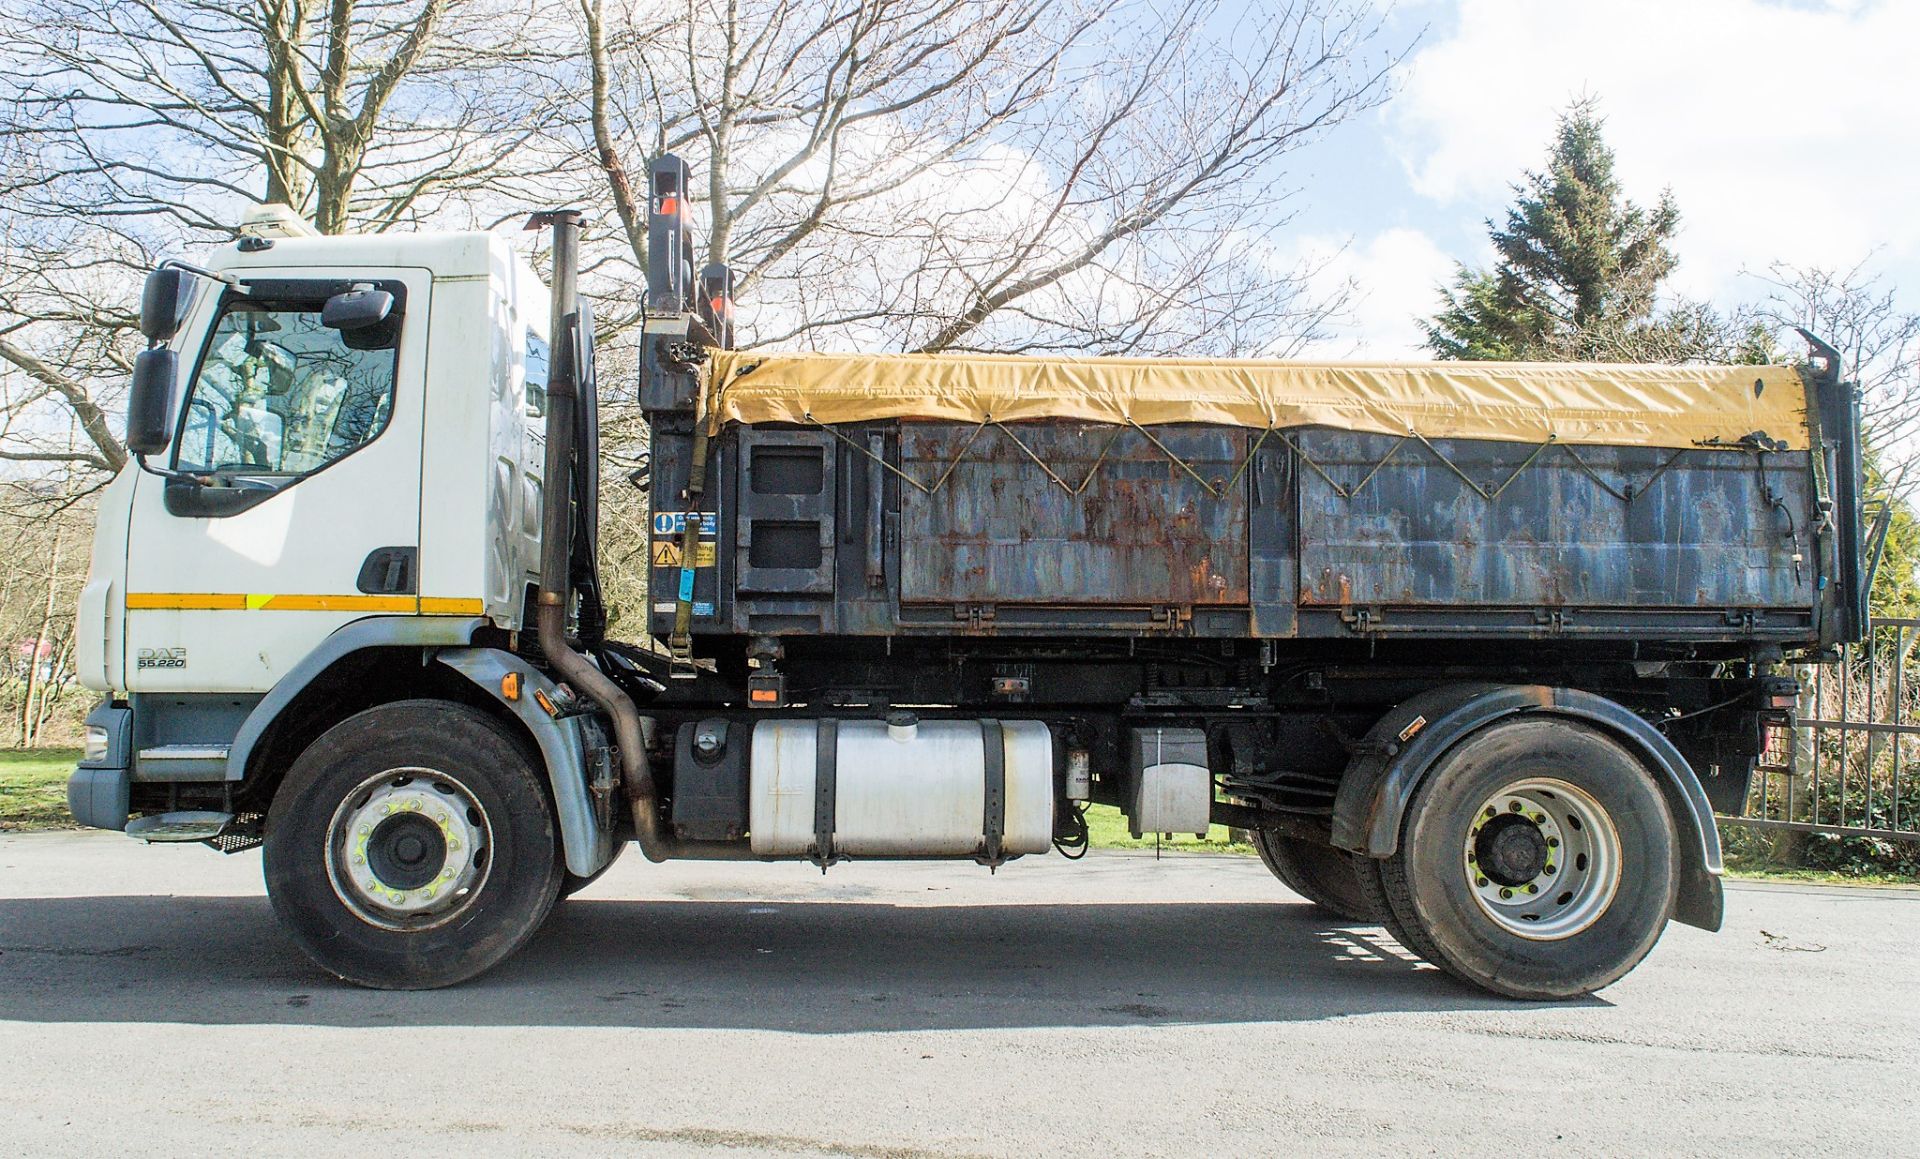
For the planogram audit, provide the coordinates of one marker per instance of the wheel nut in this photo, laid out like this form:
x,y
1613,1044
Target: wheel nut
x,y
1480,881
1531,888
1505,894
1553,843
1553,869
1517,807
1491,810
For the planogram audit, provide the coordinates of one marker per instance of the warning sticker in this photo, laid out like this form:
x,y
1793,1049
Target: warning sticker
x,y
675,523
669,553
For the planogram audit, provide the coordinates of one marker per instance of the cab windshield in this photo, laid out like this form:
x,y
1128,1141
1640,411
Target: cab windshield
x,y
280,394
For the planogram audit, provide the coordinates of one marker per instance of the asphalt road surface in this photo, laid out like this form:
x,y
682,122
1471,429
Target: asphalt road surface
x,y
1121,1006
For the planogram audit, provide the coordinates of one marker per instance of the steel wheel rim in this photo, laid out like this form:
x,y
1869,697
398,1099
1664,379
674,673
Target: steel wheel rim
x,y
1542,859
408,849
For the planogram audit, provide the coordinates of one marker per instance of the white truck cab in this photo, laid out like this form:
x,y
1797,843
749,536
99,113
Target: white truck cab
x,y
307,590
321,475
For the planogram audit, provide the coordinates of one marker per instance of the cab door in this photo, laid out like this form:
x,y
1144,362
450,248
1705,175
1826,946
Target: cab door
x,y
311,440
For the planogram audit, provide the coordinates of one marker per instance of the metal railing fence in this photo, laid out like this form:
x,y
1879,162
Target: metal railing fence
x,y
1851,766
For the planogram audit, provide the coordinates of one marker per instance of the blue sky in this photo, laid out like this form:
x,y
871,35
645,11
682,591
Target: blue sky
x,y
1788,131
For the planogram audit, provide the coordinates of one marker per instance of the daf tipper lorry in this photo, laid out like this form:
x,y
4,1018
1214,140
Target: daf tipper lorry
x,y
1473,650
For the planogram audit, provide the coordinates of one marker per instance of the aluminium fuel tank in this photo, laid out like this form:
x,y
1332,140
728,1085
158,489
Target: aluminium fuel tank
x,y
900,790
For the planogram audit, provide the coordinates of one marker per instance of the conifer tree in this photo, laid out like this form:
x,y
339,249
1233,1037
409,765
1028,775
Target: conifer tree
x,y
1578,269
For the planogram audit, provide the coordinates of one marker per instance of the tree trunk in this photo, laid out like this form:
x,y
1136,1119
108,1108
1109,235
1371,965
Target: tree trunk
x,y
30,711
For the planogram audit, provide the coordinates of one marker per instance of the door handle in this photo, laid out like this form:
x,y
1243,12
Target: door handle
x,y
389,571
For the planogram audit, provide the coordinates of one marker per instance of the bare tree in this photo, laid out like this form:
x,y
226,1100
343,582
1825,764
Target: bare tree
x,y
961,174
1857,312
360,113
131,130
43,562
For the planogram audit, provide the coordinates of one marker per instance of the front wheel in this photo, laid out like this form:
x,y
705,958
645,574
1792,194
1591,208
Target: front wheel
x,y
1536,861
411,846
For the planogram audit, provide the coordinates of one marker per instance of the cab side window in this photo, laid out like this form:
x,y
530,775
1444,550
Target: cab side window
x,y
277,393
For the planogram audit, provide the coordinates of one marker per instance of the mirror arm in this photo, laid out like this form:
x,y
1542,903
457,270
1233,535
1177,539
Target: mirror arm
x,y
169,473
212,482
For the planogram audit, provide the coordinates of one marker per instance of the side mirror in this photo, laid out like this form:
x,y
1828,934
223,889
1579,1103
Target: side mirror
x,y
164,302
357,309
150,401
583,352
716,302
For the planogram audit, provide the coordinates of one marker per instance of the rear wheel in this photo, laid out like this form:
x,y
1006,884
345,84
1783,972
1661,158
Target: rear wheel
x,y
1325,876
411,846
1536,860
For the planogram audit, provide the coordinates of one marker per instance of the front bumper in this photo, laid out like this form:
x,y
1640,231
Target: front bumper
x,y
99,790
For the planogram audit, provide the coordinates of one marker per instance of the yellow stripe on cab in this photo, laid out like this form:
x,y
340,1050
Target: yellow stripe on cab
x,y
273,602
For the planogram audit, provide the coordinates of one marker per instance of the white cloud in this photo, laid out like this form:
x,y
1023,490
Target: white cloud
x,y
1394,277
1785,131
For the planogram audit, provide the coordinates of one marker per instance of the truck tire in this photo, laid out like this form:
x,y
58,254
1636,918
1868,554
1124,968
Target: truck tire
x,y
1374,887
1323,875
412,846
1537,860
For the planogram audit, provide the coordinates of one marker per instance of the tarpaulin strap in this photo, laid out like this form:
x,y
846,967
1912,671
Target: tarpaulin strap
x,y
904,477
1042,463
1106,447
1489,496
680,643
1629,492
1626,493
1218,493
1099,460
1345,492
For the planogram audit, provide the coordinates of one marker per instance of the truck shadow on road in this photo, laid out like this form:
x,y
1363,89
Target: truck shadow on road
x,y
810,967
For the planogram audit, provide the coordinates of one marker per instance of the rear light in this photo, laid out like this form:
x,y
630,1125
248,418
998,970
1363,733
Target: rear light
x,y
767,690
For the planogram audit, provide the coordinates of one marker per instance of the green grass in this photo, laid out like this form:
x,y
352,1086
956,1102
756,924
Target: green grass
x,y
33,788
1107,829
1818,876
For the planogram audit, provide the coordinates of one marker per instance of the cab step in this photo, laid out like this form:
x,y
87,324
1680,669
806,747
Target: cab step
x,y
181,826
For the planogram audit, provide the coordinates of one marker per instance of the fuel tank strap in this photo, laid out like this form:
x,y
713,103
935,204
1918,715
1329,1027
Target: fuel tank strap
x,y
994,825
826,752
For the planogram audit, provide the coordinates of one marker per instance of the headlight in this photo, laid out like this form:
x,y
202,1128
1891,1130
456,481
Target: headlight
x,y
95,748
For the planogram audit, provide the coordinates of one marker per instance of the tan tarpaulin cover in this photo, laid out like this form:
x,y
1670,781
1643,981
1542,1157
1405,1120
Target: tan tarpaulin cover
x,y
1659,406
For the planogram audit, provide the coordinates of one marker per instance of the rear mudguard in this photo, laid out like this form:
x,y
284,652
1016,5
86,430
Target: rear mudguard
x,y
1408,741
